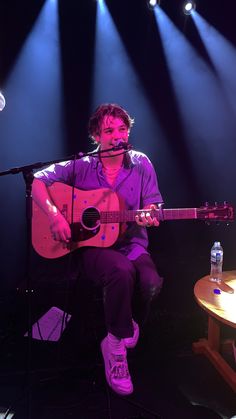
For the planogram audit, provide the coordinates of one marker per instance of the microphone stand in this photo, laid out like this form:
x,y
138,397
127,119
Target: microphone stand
x,y
28,176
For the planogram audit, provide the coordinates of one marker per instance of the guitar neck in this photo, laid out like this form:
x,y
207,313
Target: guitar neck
x,y
179,214
160,214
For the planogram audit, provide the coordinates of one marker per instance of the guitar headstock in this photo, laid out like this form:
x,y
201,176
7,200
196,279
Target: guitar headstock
x,y
216,212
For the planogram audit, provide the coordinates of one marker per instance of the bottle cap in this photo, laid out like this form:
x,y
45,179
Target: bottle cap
x,y
217,291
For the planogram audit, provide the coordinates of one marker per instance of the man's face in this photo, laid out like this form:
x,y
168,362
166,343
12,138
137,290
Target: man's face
x,y
112,130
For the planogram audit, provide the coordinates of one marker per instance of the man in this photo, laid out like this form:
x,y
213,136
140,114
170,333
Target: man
x,y
126,265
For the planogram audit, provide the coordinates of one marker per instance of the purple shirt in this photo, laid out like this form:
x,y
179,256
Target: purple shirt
x,y
136,184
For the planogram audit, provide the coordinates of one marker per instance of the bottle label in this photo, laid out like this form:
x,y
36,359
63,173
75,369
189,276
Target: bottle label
x,y
217,257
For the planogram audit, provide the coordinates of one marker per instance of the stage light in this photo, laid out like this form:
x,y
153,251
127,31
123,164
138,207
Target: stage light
x,y
152,3
188,7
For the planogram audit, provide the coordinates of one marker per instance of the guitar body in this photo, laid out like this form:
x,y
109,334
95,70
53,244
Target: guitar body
x,y
87,207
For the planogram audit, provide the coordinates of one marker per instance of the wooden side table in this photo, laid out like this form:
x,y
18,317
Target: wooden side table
x,y
221,308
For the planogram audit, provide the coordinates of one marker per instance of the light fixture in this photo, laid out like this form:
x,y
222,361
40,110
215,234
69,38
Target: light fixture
x,y
152,3
2,102
189,7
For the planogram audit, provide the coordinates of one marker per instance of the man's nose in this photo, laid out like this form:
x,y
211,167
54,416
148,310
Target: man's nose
x,y
117,136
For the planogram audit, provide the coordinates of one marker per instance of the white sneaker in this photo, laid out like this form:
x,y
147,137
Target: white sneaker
x,y
116,369
132,342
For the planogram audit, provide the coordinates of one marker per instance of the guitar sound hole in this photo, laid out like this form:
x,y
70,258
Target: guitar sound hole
x,y
90,218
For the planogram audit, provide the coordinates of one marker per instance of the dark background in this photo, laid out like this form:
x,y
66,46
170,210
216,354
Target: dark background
x,y
181,89
191,170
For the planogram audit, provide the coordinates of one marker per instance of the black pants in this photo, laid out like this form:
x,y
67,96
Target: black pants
x,y
121,279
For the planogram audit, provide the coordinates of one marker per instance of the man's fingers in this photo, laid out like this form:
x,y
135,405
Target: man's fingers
x,y
146,220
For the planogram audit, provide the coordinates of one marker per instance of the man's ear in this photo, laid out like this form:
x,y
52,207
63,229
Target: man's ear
x,y
97,138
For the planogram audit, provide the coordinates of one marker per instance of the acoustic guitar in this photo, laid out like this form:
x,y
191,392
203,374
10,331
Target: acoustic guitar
x,y
95,218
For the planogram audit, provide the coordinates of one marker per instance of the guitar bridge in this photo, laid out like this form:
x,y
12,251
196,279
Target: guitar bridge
x,y
79,233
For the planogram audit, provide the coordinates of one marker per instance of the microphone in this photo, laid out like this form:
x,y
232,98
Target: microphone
x,y
2,102
121,144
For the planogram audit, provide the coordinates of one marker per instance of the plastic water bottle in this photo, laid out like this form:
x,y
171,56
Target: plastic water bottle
x,y
216,262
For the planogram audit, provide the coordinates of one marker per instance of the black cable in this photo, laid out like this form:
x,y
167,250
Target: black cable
x,y
69,265
68,270
40,334
108,402
67,274
141,407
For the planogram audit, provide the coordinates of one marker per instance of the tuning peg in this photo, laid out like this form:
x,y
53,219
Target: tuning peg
x,y
206,204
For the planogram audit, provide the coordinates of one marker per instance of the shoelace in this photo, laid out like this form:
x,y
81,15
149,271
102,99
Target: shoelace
x,y
120,368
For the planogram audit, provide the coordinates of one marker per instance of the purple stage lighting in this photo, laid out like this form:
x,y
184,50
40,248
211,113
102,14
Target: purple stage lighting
x,y
189,7
152,3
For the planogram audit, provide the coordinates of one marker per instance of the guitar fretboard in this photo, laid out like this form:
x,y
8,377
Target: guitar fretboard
x,y
165,214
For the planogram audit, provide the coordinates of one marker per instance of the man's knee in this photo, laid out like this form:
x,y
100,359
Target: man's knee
x,y
152,287
122,271
155,287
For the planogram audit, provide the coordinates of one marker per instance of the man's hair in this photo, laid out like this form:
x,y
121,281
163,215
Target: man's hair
x,y
107,109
